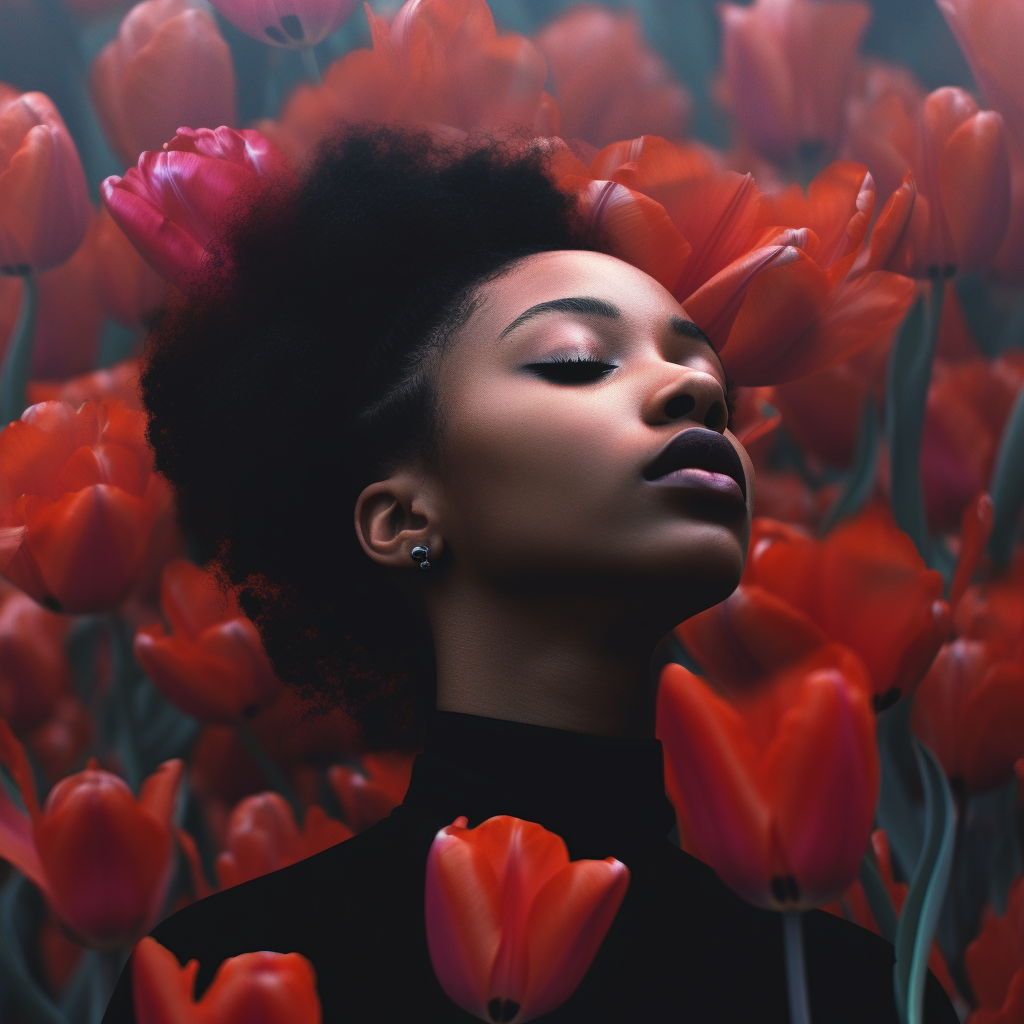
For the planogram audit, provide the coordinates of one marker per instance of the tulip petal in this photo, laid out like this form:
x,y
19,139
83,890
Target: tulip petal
x,y
568,921
991,724
890,229
159,791
17,844
162,990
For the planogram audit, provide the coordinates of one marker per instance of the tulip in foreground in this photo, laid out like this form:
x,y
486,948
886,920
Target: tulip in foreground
x,y
254,988
102,859
78,499
262,836
44,202
210,662
775,789
172,205
512,924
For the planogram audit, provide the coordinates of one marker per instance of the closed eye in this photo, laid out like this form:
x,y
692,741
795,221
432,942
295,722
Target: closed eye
x,y
574,370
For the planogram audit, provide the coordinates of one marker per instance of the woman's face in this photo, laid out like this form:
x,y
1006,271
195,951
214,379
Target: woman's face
x,y
559,396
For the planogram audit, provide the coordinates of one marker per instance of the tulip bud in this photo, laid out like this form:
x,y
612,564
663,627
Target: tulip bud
x,y
44,203
262,836
211,664
78,498
167,66
254,988
512,925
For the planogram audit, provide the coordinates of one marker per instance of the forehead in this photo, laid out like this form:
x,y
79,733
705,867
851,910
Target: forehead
x,y
555,275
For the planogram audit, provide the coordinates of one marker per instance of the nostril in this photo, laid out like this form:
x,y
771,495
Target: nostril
x,y
681,405
716,417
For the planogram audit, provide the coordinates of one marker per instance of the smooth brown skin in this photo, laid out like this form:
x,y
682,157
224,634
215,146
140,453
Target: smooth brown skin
x,y
555,567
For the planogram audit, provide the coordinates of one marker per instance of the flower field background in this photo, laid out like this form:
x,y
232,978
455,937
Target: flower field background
x,y
833,191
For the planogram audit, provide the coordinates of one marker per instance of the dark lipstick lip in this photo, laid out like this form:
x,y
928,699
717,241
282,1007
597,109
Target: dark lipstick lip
x,y
698,448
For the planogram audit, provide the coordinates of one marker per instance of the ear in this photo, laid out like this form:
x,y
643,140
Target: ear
x,y
395,515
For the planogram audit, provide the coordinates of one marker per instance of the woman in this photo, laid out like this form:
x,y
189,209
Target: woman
x,y
531,439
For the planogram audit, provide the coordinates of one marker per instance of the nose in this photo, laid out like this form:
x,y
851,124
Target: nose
x,y
693,395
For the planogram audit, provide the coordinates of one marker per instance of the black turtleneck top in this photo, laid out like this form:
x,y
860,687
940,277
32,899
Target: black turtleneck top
x,y
683,946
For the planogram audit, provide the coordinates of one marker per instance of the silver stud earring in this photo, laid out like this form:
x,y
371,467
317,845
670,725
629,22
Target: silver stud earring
x,y
421,554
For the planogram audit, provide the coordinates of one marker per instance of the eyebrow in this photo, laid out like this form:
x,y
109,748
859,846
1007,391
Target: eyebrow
x,y
583,304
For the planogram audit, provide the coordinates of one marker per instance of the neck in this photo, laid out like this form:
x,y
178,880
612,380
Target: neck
x,y
562,661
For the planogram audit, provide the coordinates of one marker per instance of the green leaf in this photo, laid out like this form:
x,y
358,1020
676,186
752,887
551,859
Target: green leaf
x,y
921,910
1007,487
17,363
898,813
861,477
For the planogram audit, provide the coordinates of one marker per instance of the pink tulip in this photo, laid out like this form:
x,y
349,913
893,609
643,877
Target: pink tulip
x,y
291,23
172,205
254,988
512,925
44,203
787,67
167,66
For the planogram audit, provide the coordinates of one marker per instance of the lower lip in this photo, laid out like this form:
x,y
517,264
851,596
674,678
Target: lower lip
x,y
701,480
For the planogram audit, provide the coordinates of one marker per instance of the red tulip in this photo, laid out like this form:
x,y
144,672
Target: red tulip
x,y
294,24
167,66
774,284
995,963
854,906
44,203
211,664
373,793
102,859
512,925
34,668
78,499
172,205
960,161
969,710
60,743
131,290
994,609
776,788
608,82
262,836
254,988
788,65
865,586
439,63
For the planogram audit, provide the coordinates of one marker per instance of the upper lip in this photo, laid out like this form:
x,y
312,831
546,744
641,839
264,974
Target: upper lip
x,y
698,448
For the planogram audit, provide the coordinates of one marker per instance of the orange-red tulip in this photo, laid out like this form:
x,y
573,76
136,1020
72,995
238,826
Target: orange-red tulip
x,y
34,668
969,710
854,905
960,162
167,66
788,65
995,963
609,84
78,499
172,205
293,23
262,836
210,663
439,63
865,586
775,788
254,988
782,287
131,290
968,405
44,203
102,858
512,924
371,794
118,383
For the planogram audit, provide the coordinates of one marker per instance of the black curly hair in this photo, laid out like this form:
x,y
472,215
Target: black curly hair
x,y
286,383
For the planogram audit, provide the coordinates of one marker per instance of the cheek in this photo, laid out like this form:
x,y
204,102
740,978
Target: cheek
x,y
540,473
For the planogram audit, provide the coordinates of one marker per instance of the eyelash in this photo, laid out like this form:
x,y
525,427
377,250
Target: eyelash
x,y
572,370
581,370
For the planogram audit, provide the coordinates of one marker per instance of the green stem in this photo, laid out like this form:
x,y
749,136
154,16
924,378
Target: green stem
x,y
310,64
270,768
17,364
796,968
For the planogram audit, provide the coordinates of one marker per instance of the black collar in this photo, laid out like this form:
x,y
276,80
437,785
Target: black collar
x,y
604,796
